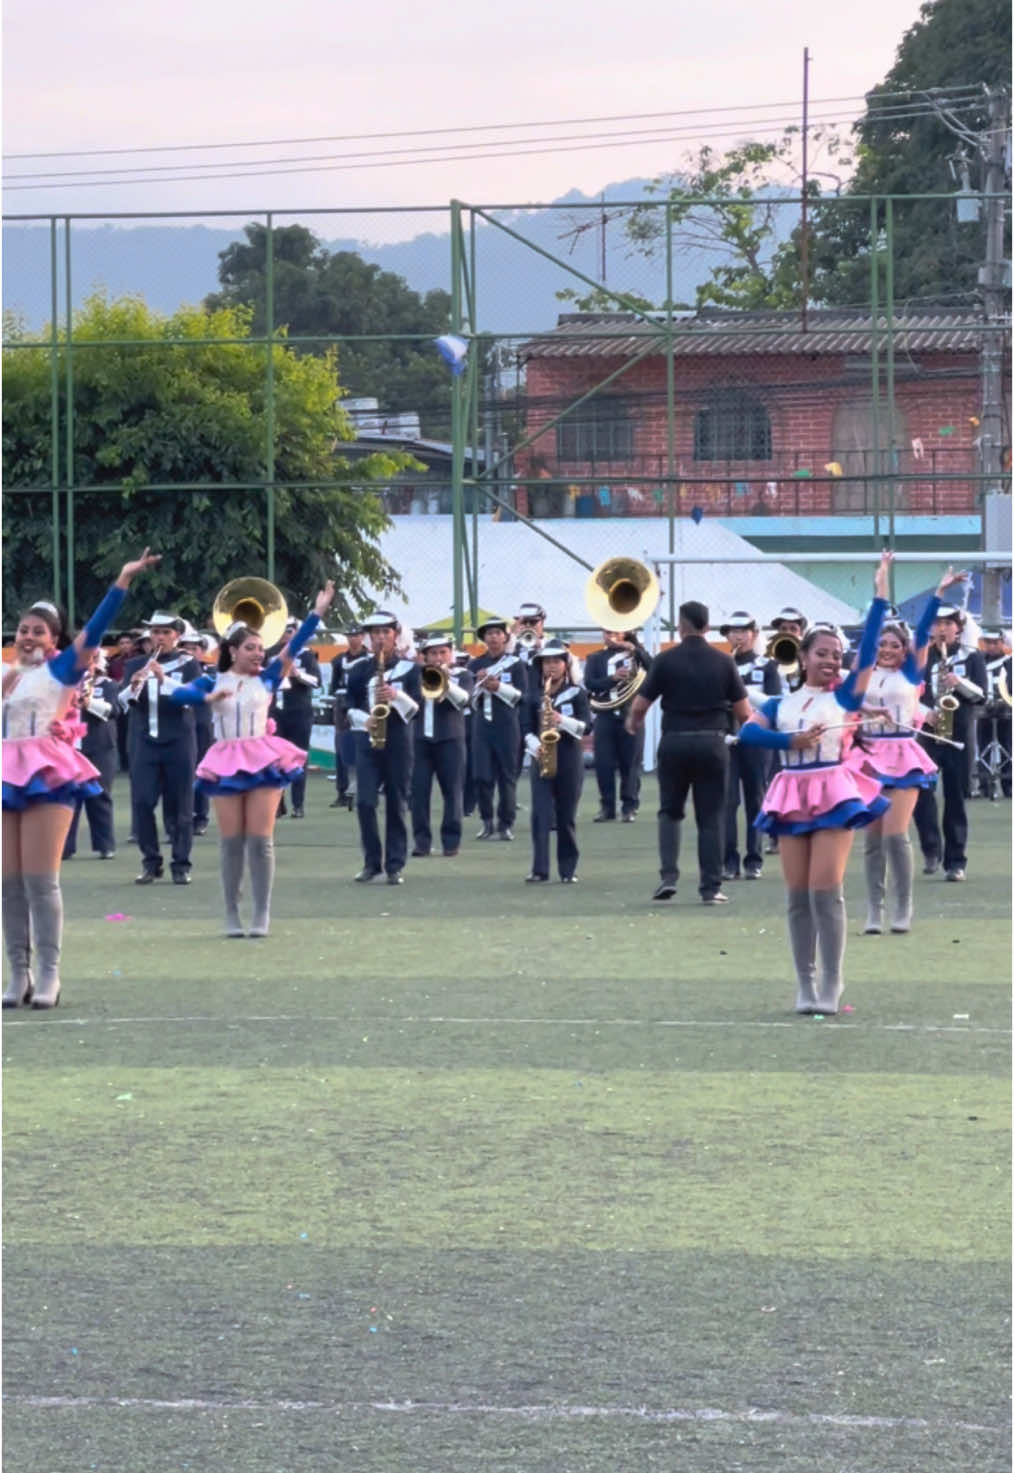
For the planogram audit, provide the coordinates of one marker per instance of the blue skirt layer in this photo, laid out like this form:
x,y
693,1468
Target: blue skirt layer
x,y
245,782
853,813
908,780
16,799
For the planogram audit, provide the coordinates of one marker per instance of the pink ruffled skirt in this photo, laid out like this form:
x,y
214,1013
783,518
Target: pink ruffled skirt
x,y
45,769
897,762
800,800
238,764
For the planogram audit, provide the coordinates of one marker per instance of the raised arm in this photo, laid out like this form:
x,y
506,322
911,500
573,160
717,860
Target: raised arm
x,y
71,662
921,640
850,693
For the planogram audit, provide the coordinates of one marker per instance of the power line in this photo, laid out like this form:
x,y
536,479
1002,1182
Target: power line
x,y
465,128
385,159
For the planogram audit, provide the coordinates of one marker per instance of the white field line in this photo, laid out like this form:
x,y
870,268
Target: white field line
x,y
233,1020
532,1413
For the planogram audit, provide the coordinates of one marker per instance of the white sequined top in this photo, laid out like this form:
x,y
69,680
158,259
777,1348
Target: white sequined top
x,y
811,706
244,711
36,700
893,690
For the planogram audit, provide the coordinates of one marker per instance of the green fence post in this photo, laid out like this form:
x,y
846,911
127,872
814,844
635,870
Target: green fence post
x,y
54,403
670,414
70,426
458,429
889,367
269,331
875,367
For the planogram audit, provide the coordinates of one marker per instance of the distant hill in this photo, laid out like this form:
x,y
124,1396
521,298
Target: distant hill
x,y
173,265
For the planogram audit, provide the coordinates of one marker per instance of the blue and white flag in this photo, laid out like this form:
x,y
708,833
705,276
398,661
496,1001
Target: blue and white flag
x,y
453,350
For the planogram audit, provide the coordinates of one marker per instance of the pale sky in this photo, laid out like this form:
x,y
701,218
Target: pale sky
x,y
104,74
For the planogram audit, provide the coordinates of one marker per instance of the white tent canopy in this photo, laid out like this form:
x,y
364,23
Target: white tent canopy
x,y
517,565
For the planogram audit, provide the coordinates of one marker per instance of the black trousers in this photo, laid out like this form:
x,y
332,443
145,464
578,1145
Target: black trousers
x,y
953,767
444,761
202,803
496,772
617,754
696,762
98,810
164,770
389,768
554,801
747,771
468,797
295,727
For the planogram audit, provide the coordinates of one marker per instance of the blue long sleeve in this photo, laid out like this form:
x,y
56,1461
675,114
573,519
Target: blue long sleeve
x,y
846,693
193,694
926,622
272,674
752,734
103,616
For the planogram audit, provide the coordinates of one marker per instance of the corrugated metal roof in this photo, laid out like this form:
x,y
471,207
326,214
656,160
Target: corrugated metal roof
x,y
714,333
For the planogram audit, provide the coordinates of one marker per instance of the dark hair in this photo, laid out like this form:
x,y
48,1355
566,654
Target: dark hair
x,y
899,629
232,641
55,620
694,614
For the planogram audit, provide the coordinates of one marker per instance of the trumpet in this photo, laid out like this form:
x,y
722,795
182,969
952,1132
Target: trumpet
x,y
527,639
435,681
783,649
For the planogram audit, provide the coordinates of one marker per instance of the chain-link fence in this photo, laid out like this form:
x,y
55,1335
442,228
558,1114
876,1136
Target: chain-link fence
x,y
646,370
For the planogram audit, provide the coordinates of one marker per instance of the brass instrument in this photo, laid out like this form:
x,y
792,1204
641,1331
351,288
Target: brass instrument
x,y
621,593
1003,688
527,639
435,681
947,703
254,602
625,691
549,737
784,650
379,713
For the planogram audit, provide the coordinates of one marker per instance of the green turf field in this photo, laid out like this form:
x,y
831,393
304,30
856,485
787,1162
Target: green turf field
x,y
475,1176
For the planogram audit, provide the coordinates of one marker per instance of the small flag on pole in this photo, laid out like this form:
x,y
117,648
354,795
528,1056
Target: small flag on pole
x,y
453,350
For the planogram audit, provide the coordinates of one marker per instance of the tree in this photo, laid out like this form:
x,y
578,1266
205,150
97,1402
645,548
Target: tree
x,y
745,236
176,409
337,294
950,55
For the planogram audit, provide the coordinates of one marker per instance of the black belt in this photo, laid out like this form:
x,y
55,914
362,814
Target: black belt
x,y
702,731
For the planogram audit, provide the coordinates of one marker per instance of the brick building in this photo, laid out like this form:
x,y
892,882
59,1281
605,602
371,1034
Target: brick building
x,y
766,419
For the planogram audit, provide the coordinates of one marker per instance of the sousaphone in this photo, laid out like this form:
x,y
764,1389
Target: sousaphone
x,y
620,595
254,602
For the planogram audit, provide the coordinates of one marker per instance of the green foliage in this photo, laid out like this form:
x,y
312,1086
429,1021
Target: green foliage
x,y
954,43
336,294
156,402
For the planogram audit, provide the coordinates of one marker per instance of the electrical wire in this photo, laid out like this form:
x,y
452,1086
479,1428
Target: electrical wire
x,y
384,159
952,92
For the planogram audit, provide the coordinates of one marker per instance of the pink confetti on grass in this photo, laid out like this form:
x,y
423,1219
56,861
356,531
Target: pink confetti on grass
x,y
118,915
848,1008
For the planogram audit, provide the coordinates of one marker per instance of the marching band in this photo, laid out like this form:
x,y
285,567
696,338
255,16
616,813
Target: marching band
x,y
777,730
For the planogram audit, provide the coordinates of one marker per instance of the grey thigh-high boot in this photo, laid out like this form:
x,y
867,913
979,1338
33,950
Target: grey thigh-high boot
x,y
260,858
829,915
45,905
899,868
230,858
875,861
803,941
17,942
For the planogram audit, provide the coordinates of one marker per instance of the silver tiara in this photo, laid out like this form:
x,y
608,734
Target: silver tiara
x,y
43,603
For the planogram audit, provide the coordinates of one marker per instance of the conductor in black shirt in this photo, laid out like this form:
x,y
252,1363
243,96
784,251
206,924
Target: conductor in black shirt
x,y
701,691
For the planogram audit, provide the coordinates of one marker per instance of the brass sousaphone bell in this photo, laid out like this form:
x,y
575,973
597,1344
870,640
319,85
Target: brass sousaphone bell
x,y
254,602
620,595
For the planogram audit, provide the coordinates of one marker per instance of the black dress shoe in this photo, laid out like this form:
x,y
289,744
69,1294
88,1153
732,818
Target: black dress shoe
x,y
199,829
930,866
486,832
396,879
665,891
536,879
181,877
420,854
366,875
450,853
603,817
339,802
148,877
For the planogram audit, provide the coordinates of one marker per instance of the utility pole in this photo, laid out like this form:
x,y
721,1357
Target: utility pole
x,y
994,279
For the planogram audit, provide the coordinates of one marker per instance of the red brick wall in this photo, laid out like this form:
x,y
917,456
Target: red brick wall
x,y
801,394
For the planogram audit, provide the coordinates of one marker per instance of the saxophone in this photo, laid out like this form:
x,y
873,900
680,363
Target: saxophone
x,y
379,713
549,737
947,702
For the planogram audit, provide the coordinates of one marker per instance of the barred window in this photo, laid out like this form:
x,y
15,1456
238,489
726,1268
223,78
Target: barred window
x,y
600,430
733,426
